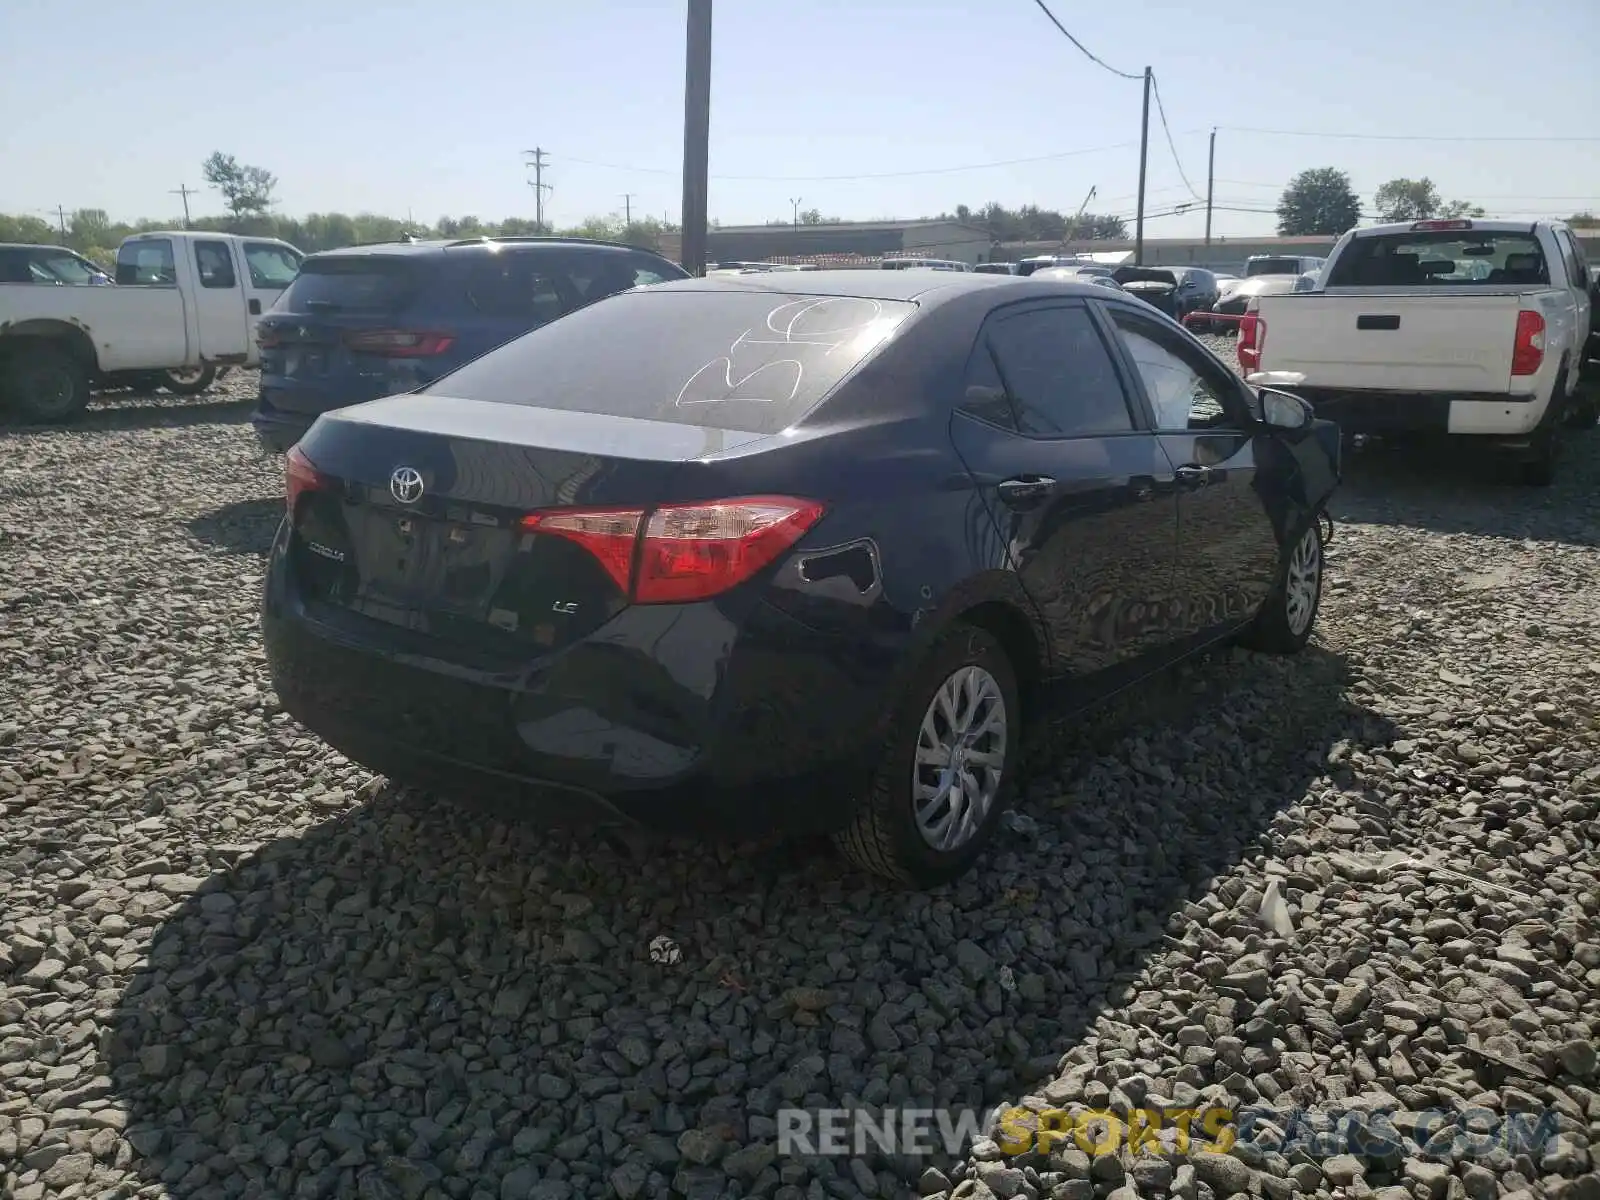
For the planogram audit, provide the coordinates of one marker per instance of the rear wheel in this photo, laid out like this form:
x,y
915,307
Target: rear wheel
x,y
1539,468
946,770
1284,624
46,383
187,381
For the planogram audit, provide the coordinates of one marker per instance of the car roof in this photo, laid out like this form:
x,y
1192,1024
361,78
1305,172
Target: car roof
x,y
925,287
481,245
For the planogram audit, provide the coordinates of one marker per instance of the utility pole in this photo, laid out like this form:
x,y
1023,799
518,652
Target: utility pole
x,y
1211,183
185,191
540,187
696,135
61,219
794,202
1144,159
627,208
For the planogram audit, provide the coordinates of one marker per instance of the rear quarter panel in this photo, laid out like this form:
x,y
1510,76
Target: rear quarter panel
x,y
130,327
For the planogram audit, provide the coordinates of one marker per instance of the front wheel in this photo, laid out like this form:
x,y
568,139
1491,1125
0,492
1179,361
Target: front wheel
x,y
187,381
46,383
946,770
1283,626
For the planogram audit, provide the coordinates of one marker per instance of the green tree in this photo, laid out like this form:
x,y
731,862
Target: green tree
x,y
1419,200
246,190
1584,220
1318,202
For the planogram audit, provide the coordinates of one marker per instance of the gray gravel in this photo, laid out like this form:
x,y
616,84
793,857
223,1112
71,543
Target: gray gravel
x,y
233,964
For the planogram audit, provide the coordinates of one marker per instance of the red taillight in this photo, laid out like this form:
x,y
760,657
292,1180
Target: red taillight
x,y
1421,225
398,343
1252,337
300,477
1528,352
684,552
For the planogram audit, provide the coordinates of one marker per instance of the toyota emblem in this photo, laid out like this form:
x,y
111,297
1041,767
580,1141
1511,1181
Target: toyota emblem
x,y
405,485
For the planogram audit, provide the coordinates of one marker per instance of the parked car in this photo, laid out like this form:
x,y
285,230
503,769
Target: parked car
x,y
1235,299
49,265
1281,264
370,321
1076,275
1591,367
786,553
180,313
1404,336
1197,291
1156,286
931,264
996,268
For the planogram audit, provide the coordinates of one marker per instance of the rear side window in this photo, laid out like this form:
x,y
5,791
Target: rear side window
x,y
754,361
1058,373
148,261
1443,258
215,265
371,283
515,287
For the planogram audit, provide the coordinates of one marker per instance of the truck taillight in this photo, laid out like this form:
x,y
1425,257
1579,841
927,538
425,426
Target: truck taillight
x,y
300,476
1528,352
677,553
398,343
1252,337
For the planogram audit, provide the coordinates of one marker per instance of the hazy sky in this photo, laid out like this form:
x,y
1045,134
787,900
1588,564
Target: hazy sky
x,y
907,108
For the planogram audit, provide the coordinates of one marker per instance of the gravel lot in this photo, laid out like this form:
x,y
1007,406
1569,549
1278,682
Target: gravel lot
x,y
232,964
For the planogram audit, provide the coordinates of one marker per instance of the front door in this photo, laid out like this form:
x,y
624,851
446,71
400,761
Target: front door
x,y
219,304
1227,537
1073,485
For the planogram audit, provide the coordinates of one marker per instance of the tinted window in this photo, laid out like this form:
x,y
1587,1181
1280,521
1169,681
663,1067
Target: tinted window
x,y
57,266
1445,258
146,261
351,283
743,360
1058,373
14,267
1184,392
270,266
514,286
215,265
1272,266
985,396
1575,261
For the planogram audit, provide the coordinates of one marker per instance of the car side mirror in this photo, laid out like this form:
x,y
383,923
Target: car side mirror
x,y
1284,410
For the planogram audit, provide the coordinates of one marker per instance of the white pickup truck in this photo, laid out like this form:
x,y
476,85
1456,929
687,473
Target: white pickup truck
x,y
184,307
1449,327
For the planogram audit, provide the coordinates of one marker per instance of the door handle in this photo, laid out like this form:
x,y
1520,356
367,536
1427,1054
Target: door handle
x,y
255,308
1193,476
1029,489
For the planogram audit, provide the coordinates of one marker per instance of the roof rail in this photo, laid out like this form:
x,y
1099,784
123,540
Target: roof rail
x,y
486,239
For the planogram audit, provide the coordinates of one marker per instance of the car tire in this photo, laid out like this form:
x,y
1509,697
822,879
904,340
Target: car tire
x,y
187,381
46,383
1539,468
1583,406
1285,622
966,682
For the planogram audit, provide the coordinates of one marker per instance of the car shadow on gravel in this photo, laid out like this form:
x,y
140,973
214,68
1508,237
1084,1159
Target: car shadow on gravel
x,y
243,527
119,411
1456,489
409,1001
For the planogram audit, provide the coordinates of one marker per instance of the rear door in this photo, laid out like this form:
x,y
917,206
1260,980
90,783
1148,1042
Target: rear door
x,y
219,302
270,267
1227,553
1073,483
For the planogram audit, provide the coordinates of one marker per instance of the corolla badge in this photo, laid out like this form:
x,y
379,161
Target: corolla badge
x,y
405,485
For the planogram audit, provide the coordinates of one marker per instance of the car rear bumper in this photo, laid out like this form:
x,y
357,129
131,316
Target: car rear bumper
x,y
1375,412
278,431
745,729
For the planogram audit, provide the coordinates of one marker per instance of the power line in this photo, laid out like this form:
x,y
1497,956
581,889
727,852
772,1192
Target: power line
x,y
1177,162
983,166
1397,137
1480,195
1086,52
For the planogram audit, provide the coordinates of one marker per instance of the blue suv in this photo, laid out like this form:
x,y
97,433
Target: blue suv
x,y
371,321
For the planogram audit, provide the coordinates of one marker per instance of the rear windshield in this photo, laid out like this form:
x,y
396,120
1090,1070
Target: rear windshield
x,y
1446,258
753,361
351,283
1272,266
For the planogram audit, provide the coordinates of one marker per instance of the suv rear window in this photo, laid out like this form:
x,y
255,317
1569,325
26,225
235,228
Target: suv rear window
x,y
1446,258
739,360
1272,266
351,283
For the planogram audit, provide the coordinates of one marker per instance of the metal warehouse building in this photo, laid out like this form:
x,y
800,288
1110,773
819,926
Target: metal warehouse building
x,y
870,239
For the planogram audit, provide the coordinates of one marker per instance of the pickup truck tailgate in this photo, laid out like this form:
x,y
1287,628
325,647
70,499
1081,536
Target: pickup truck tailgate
x,y
1423,343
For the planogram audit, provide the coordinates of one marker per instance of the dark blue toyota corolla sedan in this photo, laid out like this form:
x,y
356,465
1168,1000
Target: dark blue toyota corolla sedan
x,y
786,551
